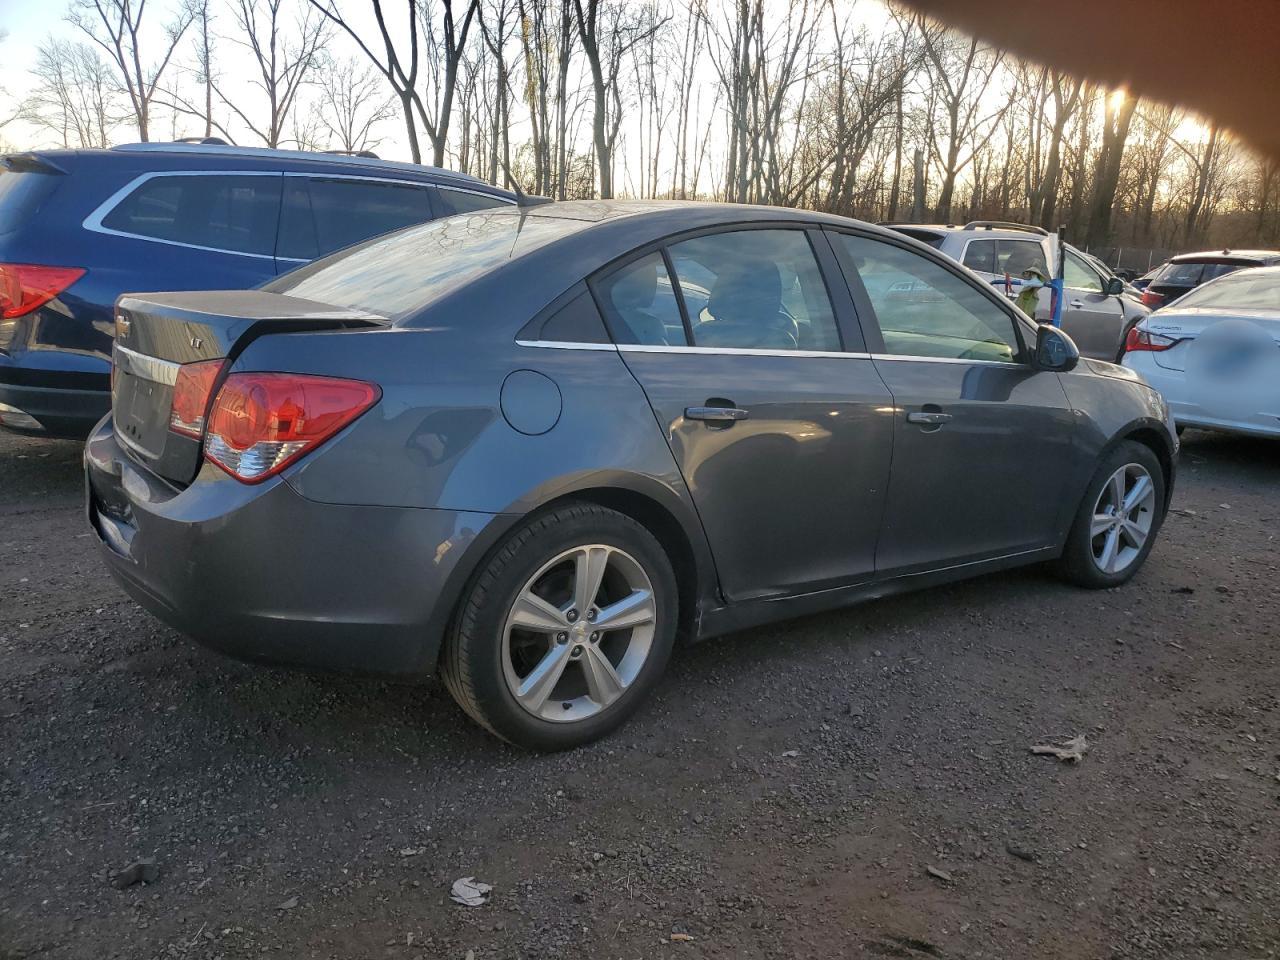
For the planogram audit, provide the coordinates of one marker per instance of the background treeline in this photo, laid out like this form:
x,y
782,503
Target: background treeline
x,y
853,108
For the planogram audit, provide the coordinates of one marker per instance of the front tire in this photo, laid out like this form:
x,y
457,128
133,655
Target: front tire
x,y
565,630
1118,520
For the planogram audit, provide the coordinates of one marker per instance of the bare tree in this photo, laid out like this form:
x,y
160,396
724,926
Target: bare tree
x,y
960,73
1106,177
353,102
284,56
607,32
116,27
75,97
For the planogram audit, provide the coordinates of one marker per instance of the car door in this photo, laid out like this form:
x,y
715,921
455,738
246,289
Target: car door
x,y
982,442
781,435
1091,317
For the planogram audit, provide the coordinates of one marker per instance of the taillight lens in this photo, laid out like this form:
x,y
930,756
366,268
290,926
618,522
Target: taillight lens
x,y
262,422
1139,340
191,396
1151,299
26,286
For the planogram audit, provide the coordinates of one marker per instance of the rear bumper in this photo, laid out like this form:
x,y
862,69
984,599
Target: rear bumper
x,y
62,405
263,574
1187,411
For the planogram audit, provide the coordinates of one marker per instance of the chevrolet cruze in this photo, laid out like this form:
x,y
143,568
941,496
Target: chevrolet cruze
x,y
530,448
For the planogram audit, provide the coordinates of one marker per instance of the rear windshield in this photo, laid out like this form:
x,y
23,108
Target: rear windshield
x,y
21,194
400,273
1245,290
1194,273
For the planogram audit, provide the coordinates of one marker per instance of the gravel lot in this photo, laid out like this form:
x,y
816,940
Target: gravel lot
x,y
785,796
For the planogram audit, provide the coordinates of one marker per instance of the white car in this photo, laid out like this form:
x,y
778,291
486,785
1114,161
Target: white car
x,y
1215,353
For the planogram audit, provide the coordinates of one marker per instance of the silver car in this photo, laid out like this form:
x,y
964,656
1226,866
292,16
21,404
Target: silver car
x,y
1096,313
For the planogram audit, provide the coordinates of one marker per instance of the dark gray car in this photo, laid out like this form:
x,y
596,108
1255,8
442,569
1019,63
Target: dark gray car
x,y
530,448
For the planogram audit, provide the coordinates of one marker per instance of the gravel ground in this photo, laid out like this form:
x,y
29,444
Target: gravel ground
x,y
785,796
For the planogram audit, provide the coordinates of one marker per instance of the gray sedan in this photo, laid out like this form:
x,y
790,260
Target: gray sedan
x,y
531,448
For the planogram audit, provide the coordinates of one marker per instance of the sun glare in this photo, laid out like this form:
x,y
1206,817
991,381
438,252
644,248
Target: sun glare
x,y
1116,99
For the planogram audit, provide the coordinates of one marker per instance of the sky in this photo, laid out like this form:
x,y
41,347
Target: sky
x,y
31,22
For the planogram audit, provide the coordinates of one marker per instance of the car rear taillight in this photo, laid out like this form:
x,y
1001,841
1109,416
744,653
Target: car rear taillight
x,y
1139,340
191,394
26,286
1151,299
262,422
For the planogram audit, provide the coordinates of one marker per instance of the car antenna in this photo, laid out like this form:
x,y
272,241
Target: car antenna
x,y
523,200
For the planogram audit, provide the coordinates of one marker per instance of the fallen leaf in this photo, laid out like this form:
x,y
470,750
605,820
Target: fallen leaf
x,y
681,938
288,904
940,874
1070,752
470,892
791,753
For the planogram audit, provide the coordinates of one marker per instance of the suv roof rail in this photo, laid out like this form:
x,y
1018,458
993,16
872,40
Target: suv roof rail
x,y
212,141
228,150
1004,225
365,154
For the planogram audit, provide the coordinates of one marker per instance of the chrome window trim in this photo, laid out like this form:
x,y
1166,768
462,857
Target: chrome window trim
x,y
149,368
737,351
93,222
478,193
671,348
566,345
908,358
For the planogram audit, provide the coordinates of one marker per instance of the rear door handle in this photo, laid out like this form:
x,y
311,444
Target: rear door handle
x,y
716,414
928,419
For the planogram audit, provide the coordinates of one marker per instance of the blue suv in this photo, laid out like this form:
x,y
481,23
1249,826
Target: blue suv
x,y
80,227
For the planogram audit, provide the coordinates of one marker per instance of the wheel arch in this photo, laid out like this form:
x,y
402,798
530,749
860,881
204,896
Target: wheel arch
x,y
1154,436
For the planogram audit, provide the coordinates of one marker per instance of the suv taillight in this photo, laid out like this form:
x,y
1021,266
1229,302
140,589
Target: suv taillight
x,y
262,422
26,286
1151,299
1139,340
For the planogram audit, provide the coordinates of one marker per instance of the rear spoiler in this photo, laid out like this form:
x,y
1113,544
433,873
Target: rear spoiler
x,y
30,163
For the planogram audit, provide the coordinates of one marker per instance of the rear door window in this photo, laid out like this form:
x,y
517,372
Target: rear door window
x,y
1014,257
324,215
465,201
235,213
755,290
640,304
980,255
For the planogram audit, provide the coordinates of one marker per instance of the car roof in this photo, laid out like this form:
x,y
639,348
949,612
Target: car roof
x,y
184,154
1226,256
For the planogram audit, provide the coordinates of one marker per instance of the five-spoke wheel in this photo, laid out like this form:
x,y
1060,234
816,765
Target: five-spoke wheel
x,y
565,630
1117,521
579,632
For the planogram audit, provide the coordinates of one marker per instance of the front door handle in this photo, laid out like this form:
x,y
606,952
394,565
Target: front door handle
x,y
928,419
725,415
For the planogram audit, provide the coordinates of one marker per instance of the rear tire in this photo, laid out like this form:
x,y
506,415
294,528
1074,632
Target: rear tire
x,y
1118,519
527,664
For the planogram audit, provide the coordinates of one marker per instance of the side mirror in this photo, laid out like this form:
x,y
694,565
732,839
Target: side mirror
x,y
1113,286
1055,351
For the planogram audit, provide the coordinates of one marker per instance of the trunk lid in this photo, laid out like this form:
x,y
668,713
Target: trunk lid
x,y
158,333
1188,324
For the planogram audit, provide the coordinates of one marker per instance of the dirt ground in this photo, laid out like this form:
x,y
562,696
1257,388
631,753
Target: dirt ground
x,y
785,796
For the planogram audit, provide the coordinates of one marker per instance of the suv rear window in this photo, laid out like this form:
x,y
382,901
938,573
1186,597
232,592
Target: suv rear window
x,y
465,201
235,213
21,194
1005,256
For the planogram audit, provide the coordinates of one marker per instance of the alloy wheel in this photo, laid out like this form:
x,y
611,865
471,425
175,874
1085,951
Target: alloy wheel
x,y
1122,518
578,633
